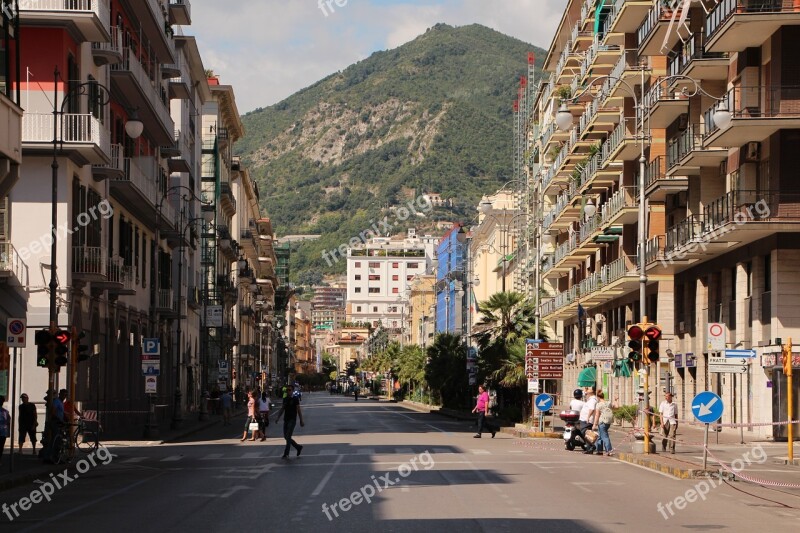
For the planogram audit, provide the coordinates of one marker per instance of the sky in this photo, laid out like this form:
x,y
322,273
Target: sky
x,y
269,49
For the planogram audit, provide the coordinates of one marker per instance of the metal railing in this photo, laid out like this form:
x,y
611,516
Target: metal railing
x,y
72,128
690,50
622,198
684,232
588,228
130,63
114,44
98,7
657,13
155,10
89,260
617,269
10,261
139,179
566,248
654,249
776,101
686,141
166,299
654,170
657,92
727,8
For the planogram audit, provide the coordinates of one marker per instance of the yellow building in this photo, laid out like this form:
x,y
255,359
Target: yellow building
x,y
422,309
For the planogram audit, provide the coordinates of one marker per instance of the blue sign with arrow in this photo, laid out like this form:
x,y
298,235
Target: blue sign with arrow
x,y
707,407
544,402
749,354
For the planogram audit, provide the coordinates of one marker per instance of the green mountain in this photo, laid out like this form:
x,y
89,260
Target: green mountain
x,y
431,116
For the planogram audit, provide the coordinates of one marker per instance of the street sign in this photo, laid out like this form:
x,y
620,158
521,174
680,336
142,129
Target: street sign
x,y
602,353
150,384
728,369
223,368
213,316
151,346
707,407
16,332
544,402
533,386
544,360
716,337
152,368
749,354
728,365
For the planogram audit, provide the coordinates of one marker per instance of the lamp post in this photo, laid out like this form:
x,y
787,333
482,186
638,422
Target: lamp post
x,y
564,119
101,97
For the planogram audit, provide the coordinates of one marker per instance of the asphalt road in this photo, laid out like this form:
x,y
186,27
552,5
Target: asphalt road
x,y
379,467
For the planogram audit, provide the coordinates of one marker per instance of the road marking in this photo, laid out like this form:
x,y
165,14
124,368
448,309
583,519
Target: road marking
x,y
326,478
252,455
211,457
327,451
134,460
247,473
516,451
172,458
481,452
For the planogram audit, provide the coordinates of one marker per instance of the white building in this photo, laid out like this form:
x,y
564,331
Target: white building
x,y
379,273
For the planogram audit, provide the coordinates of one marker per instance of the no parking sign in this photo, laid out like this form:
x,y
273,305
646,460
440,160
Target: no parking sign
x,y
15,338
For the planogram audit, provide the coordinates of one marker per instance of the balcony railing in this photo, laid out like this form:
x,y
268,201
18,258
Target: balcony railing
x,y
653,171
688,140
12,263
589,227
657,14
139,179
624,197
89,260
151,89
98,7
688,230
654,249
566,248
757,102
617,269
689,51
727,8
72,129
114,45
166,299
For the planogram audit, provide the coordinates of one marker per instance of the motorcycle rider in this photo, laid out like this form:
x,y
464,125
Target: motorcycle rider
x,y
576,404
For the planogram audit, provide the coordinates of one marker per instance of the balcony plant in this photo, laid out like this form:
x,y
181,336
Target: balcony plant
x,y
564,92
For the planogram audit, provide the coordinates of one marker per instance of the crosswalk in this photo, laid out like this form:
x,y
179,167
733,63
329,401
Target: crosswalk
x,y
277,451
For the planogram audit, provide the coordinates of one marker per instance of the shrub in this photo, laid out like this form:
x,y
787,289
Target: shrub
x,y
626,413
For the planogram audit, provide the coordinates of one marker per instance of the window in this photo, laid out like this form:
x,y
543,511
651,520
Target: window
x,y
357,264
374,277
374,290
395,265
395,290
395,277
358,277
374,264
358,289
358,309
409,278
374,308
413,265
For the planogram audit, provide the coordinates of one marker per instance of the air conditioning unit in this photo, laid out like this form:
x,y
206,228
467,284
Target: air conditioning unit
x,y
752,152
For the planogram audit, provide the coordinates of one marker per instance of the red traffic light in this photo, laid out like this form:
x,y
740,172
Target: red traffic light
x,y
653,333
635,332
61,336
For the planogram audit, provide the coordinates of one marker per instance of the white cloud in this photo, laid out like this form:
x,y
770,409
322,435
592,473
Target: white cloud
x,y
269,49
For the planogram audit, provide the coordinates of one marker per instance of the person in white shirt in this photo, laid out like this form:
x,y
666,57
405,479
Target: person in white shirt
x,y
669,422
576,404
587,415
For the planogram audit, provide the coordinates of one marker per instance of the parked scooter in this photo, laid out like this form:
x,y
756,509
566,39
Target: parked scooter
x,y
572,435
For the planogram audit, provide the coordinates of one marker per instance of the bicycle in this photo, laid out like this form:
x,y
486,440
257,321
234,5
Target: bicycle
x,y
85,440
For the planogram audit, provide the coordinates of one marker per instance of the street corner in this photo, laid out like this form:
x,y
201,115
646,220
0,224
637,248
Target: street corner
x,y
660,465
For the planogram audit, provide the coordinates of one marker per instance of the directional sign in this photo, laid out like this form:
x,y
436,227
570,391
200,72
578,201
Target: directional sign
x,y
749,354
728,369
151,347
544,402
707,407
544,360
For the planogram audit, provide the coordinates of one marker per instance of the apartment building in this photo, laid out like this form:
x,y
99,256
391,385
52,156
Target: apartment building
x,y
328,308
706,93
378,275
422,309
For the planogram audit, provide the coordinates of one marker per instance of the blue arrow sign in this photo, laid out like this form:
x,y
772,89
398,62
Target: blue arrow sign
x,y
707,407
544,402
750,354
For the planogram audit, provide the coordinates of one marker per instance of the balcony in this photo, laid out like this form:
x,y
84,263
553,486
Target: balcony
x,y
193,299
180,80
10,144
691,59
180,12
655,36
658,184
84,139
89,263
226,200
663,105
621,209
734,25
110,52
178,154
136,186
624,17
686,154
622,145
12,267
166,303
626,70
115,169
85,20
119,278
150,16
130,78
757,113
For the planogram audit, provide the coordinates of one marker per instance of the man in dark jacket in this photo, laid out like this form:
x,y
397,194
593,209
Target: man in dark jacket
x,y
28,421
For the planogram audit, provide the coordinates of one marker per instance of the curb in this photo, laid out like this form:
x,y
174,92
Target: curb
x,y
675,471
191,431
521,434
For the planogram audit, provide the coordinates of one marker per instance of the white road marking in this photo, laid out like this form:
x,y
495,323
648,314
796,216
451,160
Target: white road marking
x,y
327,477
481,452
172,458
134,460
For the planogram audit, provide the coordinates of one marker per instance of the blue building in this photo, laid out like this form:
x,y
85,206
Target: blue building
x,y
450,287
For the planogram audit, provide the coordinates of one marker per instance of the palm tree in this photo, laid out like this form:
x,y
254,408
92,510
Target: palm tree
x,y
512,368
505,317
446,370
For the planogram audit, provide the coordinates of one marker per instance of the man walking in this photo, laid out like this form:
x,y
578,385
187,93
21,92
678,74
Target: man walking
x,y
669,422
27,422
482,408
291,411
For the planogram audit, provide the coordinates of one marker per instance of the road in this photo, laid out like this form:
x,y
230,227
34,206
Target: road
x,y
420,472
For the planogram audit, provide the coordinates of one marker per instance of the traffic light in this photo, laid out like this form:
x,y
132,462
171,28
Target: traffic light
x,y
44,344
652,334
62,347
82,350
787,357
635,334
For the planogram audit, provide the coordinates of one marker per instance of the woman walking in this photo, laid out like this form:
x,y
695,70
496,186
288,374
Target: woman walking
x,y
603,417
263,415
251,417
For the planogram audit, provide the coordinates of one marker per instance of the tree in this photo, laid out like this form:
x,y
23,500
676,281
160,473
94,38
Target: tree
x,y
505,317
446,371
309,277
411,367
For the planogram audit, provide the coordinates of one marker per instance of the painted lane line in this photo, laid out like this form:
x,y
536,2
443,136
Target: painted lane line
x,y
326,478
134,460
172,458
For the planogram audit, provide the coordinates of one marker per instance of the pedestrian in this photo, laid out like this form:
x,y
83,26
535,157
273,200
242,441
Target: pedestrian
x,y
5,425
668,410
586,417
603,417
482,408
355,392
263,415
291,411
28,421
70,411
251,417
227,406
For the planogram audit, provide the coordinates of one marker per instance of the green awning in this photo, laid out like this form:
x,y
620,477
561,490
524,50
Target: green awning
x,y
598,21
613,230
587,377
606,238
622,369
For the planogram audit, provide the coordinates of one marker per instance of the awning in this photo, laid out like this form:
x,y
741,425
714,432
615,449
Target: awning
x,y
598,19
622,369
587,377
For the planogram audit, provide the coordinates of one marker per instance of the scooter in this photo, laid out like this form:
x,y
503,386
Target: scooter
x,y
570,419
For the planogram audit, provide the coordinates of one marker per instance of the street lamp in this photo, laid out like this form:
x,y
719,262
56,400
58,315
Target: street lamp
x,y
100,97
564,119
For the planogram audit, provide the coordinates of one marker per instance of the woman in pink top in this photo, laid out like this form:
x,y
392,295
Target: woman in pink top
x,y
251,417
482,408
